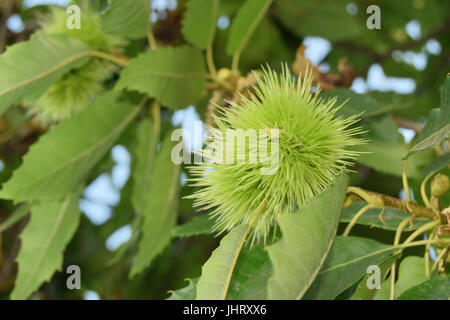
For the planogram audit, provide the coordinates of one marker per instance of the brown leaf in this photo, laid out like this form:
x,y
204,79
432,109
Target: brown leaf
x,y
303,65
326,81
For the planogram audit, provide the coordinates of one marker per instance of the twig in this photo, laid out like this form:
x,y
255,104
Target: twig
x,y
408,124
398,234
355,218
391,202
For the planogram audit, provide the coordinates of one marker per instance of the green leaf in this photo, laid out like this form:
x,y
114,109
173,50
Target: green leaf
x,y
173,75
249,280
437,164
201,224
127,19
30,67
437,127
411,273
328,19
357,103
382,128
345,265
245,23
370,218
363,292
199,22
50,229
63,157
435,289
144,157
385,291
186,293
160,210
436,130
217,271
388,157
17,215
307,238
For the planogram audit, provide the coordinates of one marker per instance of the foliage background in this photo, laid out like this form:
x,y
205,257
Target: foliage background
x,y
397,72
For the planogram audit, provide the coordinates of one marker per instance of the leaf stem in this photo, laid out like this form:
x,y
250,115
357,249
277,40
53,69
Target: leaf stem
x,y
150,36
427,227
255,23
210,60
209,49
356,217
423,191
438,259
427,257
398,234
405,181
152,40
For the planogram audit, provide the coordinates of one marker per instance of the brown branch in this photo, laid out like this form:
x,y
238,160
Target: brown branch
x,y
408,124
416,210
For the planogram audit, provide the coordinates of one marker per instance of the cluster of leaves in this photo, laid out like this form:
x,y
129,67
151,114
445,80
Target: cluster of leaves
x,y
312,259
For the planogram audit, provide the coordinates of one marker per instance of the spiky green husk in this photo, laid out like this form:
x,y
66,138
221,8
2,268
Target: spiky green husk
x,y
75,90
90,33
313,149
71,93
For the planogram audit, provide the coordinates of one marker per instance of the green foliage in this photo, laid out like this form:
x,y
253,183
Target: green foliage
x,y
74,90
307,238
217,271
61,159
20,212
356,103
363,292
186,293
162,72
435,289
387,157
307,18
437,128
82,97
160,209
199,22
391,217
202,224
34,65
90,32
51,227
249,280
144,157
247,19
411,273
127,19
345,265
437,164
